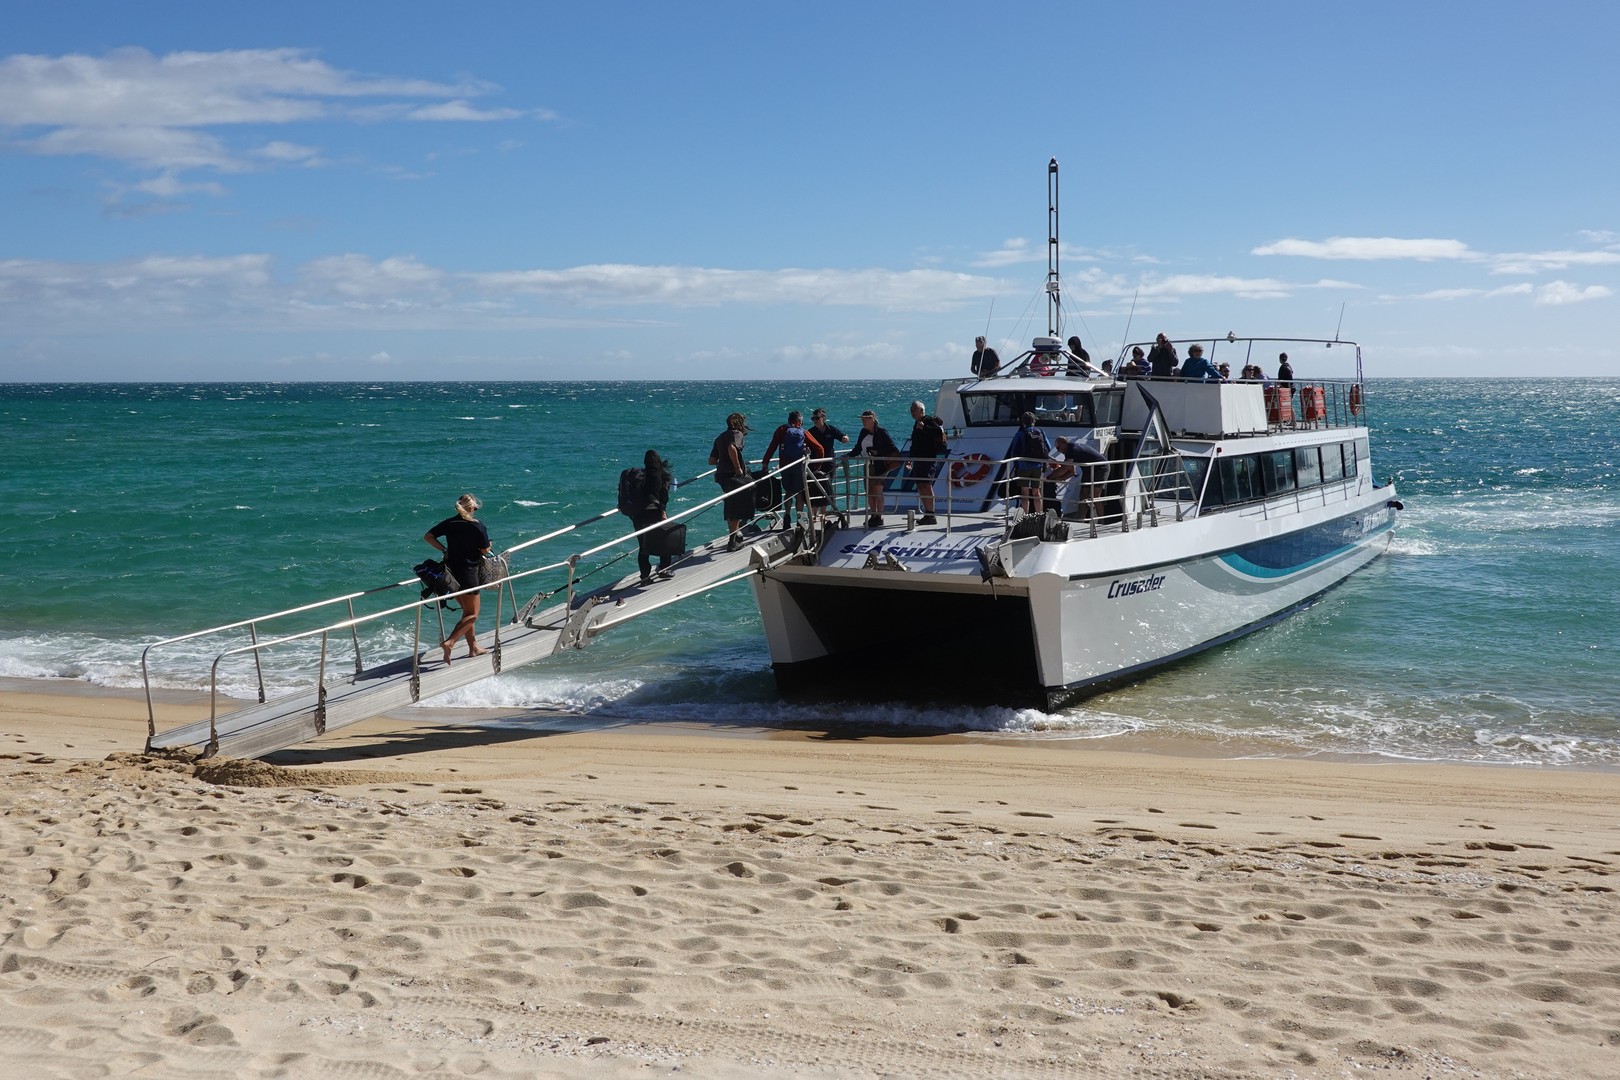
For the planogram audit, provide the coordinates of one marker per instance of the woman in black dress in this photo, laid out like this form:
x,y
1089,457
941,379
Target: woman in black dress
x,y
465,543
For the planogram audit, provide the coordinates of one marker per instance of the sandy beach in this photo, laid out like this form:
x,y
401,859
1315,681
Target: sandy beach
x,y
406,899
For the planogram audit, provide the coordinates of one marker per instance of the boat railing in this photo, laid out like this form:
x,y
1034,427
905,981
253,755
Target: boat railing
x,y
1106,495
505,588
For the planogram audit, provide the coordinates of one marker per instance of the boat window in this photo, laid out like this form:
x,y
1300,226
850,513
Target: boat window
x,y
1332,464
1238,479
1308,465
1349,458
1107,405
1277,471
1195,468
1051,410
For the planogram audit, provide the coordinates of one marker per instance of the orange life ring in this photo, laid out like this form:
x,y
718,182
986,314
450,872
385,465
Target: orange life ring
x,y
1355,399
969,470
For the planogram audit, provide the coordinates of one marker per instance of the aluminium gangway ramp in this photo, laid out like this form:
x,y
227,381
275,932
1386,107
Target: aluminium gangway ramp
x,y
259,729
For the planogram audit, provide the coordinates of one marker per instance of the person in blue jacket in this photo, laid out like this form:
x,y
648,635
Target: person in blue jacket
x,y
1198,366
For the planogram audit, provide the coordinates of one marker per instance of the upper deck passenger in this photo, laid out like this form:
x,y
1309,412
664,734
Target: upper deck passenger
x,y
1162,361
985,361
1198,366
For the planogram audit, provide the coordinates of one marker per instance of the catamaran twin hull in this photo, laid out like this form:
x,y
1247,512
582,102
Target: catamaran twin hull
x,y
1070,619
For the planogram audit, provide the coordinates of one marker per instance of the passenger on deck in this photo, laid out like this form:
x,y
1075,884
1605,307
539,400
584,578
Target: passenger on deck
x,y
1197,367
928,449
1032,451
731,473
985,361
1225,371
1108,368
1285,373
1039,364
1085,464
465,543
881,455
1079,359
821,471
656,480
1162,361
796,444
1137,367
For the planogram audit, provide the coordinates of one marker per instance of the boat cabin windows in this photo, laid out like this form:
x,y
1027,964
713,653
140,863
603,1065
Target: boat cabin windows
x,y
1308,466
1091,409
1241,478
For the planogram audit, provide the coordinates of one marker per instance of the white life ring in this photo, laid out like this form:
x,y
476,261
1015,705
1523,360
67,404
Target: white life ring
x,y
971,469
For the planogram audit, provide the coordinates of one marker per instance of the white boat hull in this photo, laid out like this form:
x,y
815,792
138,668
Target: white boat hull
x,y
1070,619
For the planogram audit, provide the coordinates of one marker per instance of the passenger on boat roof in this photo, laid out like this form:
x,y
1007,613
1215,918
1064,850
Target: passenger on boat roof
x,y
1225,371
878,449
1079,359
731,473
1285,372
985,361
465,544
1162,361
1137,367
656,482
796,444
928,449
821,480
1197,367
1032,450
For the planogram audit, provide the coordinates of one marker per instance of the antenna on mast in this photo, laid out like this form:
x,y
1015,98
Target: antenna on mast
x,y
1336,329
1053,303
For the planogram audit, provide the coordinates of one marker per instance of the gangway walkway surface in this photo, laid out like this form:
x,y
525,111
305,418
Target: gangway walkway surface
x,y
263,728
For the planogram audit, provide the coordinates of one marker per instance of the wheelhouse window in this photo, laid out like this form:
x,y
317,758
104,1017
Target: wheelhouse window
x,y
1332,463
1051,410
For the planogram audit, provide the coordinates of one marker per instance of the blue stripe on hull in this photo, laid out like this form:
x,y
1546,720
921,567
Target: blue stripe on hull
x,y
1297,552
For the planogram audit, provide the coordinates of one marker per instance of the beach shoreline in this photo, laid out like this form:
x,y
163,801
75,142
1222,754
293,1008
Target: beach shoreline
x,y
409,897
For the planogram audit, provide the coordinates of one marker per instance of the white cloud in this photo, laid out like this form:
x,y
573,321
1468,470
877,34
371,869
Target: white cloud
x,y
1012,252
461,110
1599,236
912,290
146,110
1555,293
1534,262
1368,247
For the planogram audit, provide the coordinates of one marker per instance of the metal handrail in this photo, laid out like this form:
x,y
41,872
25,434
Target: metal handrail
x,y
503,585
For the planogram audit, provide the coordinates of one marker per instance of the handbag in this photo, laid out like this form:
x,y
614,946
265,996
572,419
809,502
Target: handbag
x,y
492,569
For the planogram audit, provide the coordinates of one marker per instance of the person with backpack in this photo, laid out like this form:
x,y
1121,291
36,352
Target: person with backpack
x,y
927,450
1031,451
796,444
731,473
465,543
644,499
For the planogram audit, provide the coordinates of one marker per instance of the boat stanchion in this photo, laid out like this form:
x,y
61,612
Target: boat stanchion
x,y
354,634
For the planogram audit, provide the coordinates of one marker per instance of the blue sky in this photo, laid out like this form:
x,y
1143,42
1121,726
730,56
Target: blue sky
x,y
726,190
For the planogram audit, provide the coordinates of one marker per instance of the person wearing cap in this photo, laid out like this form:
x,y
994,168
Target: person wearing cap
x,y
465,543
880,453
985,361
731,473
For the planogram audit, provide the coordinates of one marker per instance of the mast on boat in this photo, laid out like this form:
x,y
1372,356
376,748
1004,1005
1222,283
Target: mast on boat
x,y
1053,303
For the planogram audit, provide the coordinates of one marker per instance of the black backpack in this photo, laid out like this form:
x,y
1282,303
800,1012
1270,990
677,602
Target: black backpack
x,y
632,492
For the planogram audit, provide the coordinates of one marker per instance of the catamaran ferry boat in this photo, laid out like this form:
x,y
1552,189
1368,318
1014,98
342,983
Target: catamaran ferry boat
x,y
1175,515
1186,514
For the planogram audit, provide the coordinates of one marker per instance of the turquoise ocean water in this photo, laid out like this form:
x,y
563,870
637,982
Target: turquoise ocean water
x,y
1491,633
